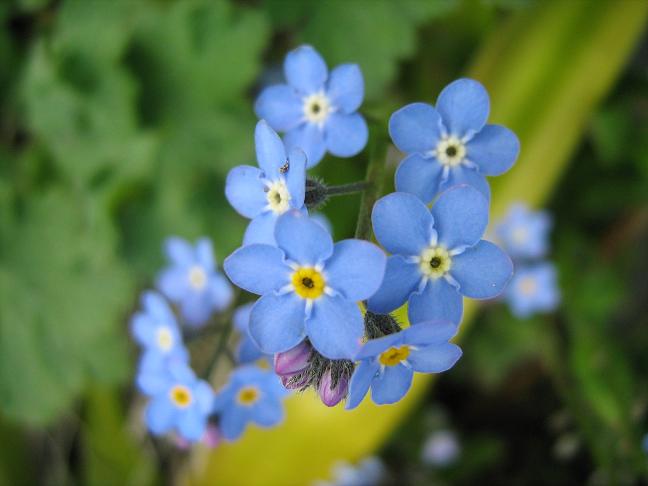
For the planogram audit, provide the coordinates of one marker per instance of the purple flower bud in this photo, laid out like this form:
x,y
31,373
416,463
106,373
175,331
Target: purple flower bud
x,y
294,360
296,384
332,396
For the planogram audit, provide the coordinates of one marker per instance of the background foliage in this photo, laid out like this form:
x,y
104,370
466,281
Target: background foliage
x,y
119,121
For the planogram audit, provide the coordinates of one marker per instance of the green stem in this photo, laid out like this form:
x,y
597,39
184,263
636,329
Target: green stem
x,y
374,180
221,347
344,189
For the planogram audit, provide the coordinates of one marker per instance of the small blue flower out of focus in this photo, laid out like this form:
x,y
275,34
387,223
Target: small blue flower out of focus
x,y
451,144
263,194
317,111
251,395
309,287
437,255
524,233
192,281
441,449
533,289
387,364
179,402
368,472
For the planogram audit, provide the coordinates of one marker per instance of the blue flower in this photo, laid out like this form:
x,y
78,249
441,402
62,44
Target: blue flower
x,y
192,281
533,289
263,194
247,351
180,401
309,287
524,233
451,144
317,111
251,395
155,329
437,255
387,364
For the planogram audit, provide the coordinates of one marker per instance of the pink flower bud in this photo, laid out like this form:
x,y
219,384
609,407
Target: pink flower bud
x,y
294,360
212,436
332,396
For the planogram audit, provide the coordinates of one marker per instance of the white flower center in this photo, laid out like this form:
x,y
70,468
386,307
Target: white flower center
x,y
528,286
450,151
278,197
164,338
197,277
519,235
317,108
435,262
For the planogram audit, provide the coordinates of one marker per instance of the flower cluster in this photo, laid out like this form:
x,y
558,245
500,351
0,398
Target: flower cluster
x,y
323,313
525,235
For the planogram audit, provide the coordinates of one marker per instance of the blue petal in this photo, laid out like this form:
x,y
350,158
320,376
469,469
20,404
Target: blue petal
x,y
419,176
401,279
280,106
374,347
173,283
277,322
244,190
310,138
220,292
241,317
461,175
179,251
192,425
268,412
346,87
460,217
304,241
464,107
494,149
438,301
356,269
346,135
196,308
232,421
335,327
160,415
205,254
261,230
270,150
415,128
247,351
430,332
305,69
482,271
402,223
296,177
434,359
258,268
204,397
391,385
360,383
158,307
143,329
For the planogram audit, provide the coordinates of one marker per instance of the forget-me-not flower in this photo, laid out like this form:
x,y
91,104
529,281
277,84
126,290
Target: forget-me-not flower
x,y
441,449
317,111
533,289
524,233
387,364
437,254
179,401
265,193
451,143
251,395
192,281
309,287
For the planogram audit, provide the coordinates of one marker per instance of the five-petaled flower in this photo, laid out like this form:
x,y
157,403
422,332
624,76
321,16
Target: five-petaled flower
x,y
251,395
179,401
309,287
533,289
437,255
524,233
192,281
451,144
387,364
317,111
263,194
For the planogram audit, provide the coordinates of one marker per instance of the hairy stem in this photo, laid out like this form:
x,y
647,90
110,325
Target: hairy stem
x,y
344,189
374,180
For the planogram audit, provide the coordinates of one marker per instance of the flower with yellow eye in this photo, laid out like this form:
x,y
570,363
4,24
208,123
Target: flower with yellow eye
x,y
387,364
309,287
264,193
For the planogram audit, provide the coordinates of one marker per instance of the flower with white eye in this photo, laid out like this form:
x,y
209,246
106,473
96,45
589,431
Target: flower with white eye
x,y
534,289
524,233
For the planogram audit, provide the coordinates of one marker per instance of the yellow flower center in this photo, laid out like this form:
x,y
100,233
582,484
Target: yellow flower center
x,y
278,197
317,108
435,262
308,282
197,277
450,151
248,395
394,356
164,338
181,396
528,286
